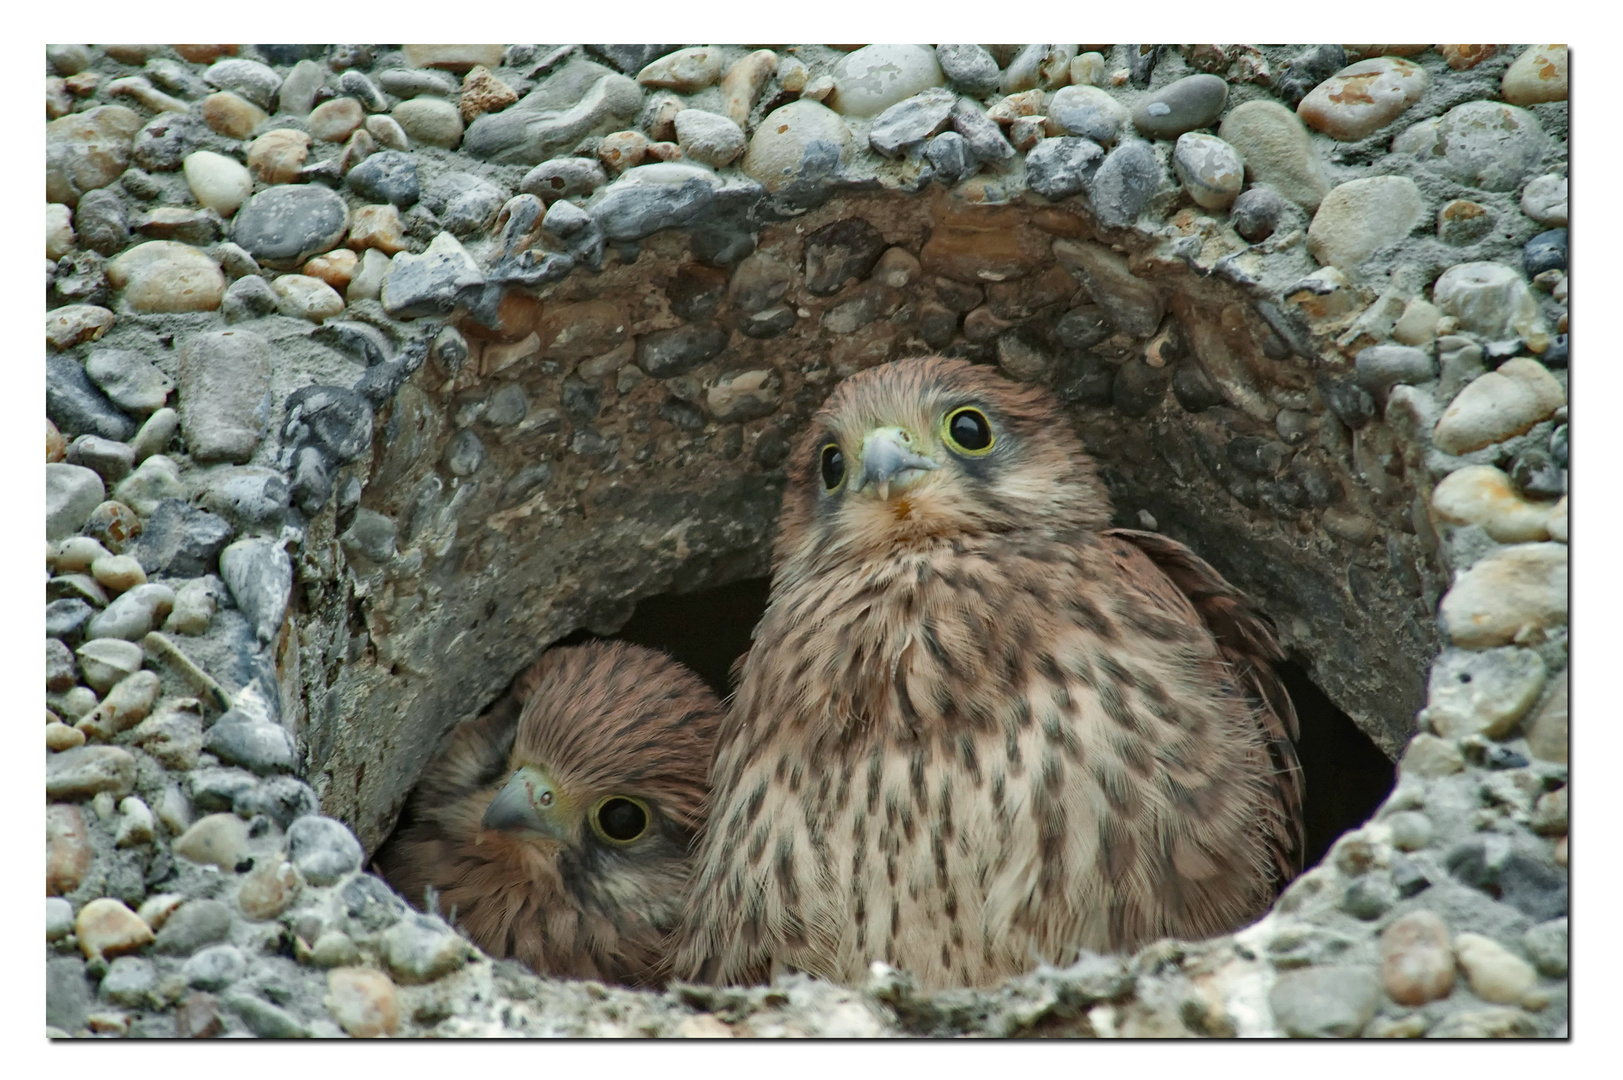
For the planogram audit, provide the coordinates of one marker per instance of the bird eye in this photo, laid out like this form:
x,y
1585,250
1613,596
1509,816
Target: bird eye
x,y
968,430
620,820
833,465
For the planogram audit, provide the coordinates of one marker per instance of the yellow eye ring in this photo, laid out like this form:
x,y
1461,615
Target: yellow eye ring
x,y
831,462
968,431
620,819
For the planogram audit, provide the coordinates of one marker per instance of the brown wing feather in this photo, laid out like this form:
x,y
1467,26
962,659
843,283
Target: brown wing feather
x,y
1247,643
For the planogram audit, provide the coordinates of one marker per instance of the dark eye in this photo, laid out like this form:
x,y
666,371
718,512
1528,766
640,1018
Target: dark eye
x,y
968,430
621,820
833,465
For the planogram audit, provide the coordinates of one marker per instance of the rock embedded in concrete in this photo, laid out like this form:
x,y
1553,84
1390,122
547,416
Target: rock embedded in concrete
x,y
322,850
285,224
260,576
1194,101
1063,166
875,77
1357,219
225,398
1538,75
1210,169
576,100
1363,97
1122,187
1498,405
1277,150
1324,1002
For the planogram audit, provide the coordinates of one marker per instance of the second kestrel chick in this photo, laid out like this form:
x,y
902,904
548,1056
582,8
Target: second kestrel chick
x,y
557,826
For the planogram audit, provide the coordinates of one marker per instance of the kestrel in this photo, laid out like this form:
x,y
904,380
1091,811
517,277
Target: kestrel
x,y
978,729
558,826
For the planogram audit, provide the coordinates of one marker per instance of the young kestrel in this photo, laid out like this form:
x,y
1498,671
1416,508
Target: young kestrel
x,y
558,826
978,729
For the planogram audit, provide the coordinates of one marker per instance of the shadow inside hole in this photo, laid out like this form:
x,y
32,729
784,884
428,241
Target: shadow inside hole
x,y
1346,774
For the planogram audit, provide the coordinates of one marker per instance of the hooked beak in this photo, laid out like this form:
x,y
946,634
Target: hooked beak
x,y
530,802
888,460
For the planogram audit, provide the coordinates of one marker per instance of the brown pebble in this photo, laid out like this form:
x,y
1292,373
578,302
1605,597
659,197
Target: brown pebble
x,y
114,524
1417,963
59,736
218,839
119,573
336,267
482,92
1463,57
277,156
230,115
269,889
197,1017
106,928
376,227
334,120
363,1001
56,447
204,54
620,150
67,847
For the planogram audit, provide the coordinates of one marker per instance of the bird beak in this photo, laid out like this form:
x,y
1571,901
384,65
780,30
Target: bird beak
x,y
889,460
530,802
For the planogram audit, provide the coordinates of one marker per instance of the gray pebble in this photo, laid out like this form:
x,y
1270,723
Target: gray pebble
x,y
1308,69
1380,367
371,535
409,82
1546,946
1059,167
260,577
1194,101
949,155
101,222
155,434
217,790
323,850
464,203
1369,897
75,405
665,353
577,99
980,131
214,968
1324,1002
248,78
253,744
465,453
248,298
1411,830
107,660
388,176
1256,213
180,540
969,67
167,140
1125,183
194,925
264,1019
563,177
1089,112
358,86
283,799
336,421
909,122
249,495
58,918
430,283
134,614
129,380
109,458
370,905
282,226
67,993
129,981
420,949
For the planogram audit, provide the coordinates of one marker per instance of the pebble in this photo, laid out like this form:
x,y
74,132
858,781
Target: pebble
x,y
1358,218
106,928
336,119
1483,495
269,889
214,968
355,84
1363,97
217,789
260,576
71,493
388,132
298,93
1546,944
133,615
667,353
59,235
1547,730
1462,222
949,155
801,142
363,1001
323,850
1308,69
1544,199
1482,693
1194,101
1551,813
1380,367
982,133
1495,973
162,276
78,554
873,78
276,157
1324,1002
103,223
135,823
378,228
68,850
420,949
197,1017
686,71
453,57
1059,167
333,948
578,99
388,176
254,744
1498,405
1482,144
284,225
300,296
180,540
60,671
1429,756
1256,213
1546,251
563,177
224,382
1510,595
367,282
1417,962
970,68
125,705
130,981
429,283
226,114
87,771
215,840
1125,183
129,380
1034,66
106,661
1538,74
1132,304
173,737
336,268
1277,151
251,79
1089,112
156,909
906,124
87,150
264,1019
1210,169
74,324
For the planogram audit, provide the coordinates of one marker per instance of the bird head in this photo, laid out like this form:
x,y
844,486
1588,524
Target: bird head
x,y
929,449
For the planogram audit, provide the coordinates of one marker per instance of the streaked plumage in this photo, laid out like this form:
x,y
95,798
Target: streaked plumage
x,y
977,728
512,821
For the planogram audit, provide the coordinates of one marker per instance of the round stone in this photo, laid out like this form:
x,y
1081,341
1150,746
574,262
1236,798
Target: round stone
x,y
217,182
708,137
322,849
1324,1002
277,156
363,1001
685,70
875,77
132,382
1059,167
214,968
71,493
1461,222
301,296
251,79
1363,97
336,119
87,151
106,661
1512,594
1494,972
162,276
216,840
1483,144
1358,218
1483,495
1546,251
1194,101
1487,298
1089,112
230,115
1210,169
134,614
802,141
1417,963
106,928
1484,692
1539,74
1544,199
971,69
283,226
1277,150
431,121
388,176
1125,183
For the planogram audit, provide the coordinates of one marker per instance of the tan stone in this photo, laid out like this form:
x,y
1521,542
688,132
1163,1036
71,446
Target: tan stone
x,y
1362,97
1539,74
363,1001
376,227
1497,405
59,737
1417,962
218,840
277,156
336,267
1494,972
1483,495
1547,730
742,84
67,846
1358,218
1277,150
482,92
1465,57
269,889
162,277
335,119
74,324
575,331
87,150
1427,755
106,928
204,54
453,57
620,150
231,115
56,447
1509,596
687,70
